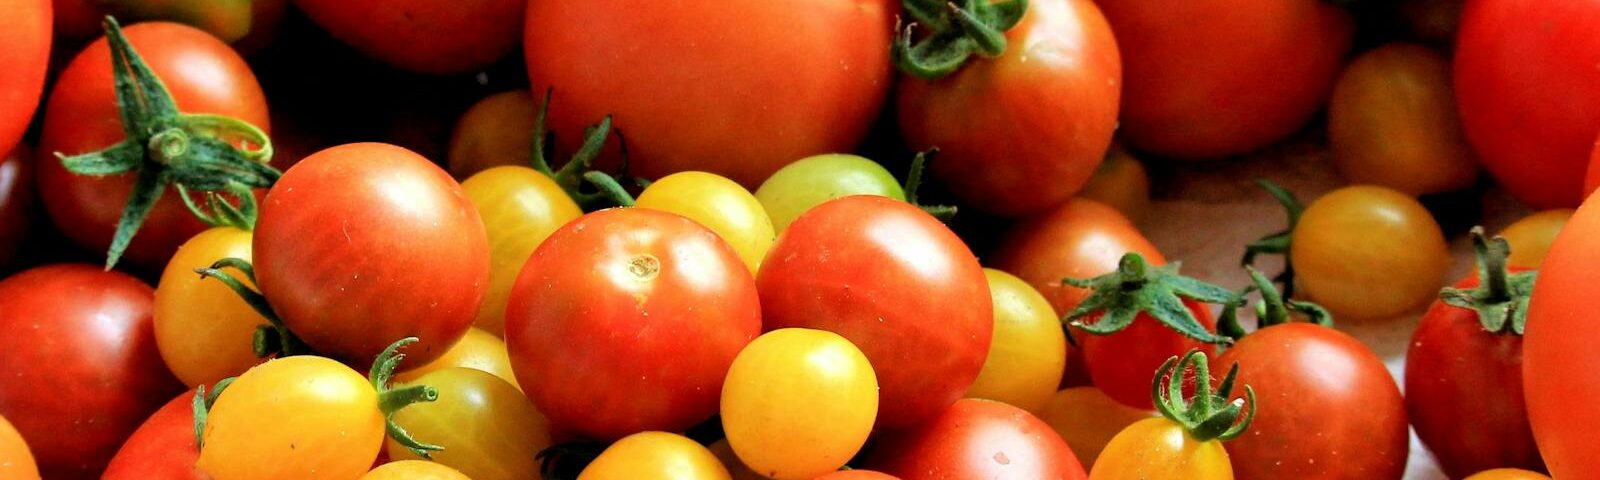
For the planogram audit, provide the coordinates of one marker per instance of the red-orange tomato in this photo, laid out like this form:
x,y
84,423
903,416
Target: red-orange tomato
x,y
1591,180
857,475
1561,351
428,36
977,439
25,44
162,448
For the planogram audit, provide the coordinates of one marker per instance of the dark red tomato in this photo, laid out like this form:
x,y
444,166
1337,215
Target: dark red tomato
x,y
1329,408
18,203
77,19
25,44
80,369
977,439
363,244
428,36
627,320
1591,180
896,283
1561,350
1023,132
1212,78
161,449
765,82
1529,96
204,76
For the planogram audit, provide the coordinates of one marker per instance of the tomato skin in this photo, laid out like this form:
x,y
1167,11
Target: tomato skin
x,y
655,455
477,350
1022,132
1532,236
1122,183
976,439
283,418
896,283
812,181
203,74
1369,253
718,204
1560,363
15,460
1507,474
351,229
1531,120
520,207
857,475
626,320
1159,449
19,204
1116,362
1591,179
414,470
426,36
490,431
1087,420
1347,419
162,448
496,131
25,44
1392,121
750,119
203,329
1028,350
77,19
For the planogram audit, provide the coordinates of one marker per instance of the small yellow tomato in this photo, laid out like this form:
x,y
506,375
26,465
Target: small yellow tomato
x,y
656,456
302,417
496,131
1028,351
1088,419
415,470
16,461
478,350
203,329
1369,252
1508,474
1120,182
1392,121
1530,237
1159,449
730,460
489,429
811,181
520,207
719,204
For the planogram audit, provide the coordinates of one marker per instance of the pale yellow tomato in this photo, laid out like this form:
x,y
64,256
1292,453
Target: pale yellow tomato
x,y
1028,351
489,429
520,207
1088,419
719,204
1530,237
203,329
478,350
655,456
414,470
1367,253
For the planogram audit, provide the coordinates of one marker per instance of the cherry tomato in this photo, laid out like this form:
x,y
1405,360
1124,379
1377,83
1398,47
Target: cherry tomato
x,y
203,74
363,244
1028,351
626,320
425,36
15,459
897,284
203,329
1116,362
798,403
25,44
477,350
655,455
857,475
1158,449
81,369
1369,253
1507,474
811,181
718,204
162,448
1087,420
689,102
736,468
414,470
1120,182
490,431
976,439
1560,362
19,202
77,19
496,131
520,207
1392,122
1532,236
1591,180
296,417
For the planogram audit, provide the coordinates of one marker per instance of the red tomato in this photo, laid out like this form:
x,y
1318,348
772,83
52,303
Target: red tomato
x,y
162,448
428,36
1212,78
18,203
1561,351
1591,180
25,44
764,84
1116,362
77,19
1529,100
204,76
80,369
1022,132
627,320
857,475
896,283
363,244
977,439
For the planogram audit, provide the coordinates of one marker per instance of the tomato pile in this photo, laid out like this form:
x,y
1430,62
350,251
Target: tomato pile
x,y
791,239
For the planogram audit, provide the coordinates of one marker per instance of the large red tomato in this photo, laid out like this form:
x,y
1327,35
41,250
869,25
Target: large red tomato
x,y
80,369
739,89
627,320
428,36
161,449
25,44
1529,93
363,244
1211,78
203,74
977,439
896,283
1561,350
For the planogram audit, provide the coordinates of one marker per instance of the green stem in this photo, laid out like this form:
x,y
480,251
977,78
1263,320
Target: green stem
x,y
1277,243
1136,287
955,31
1210,414
1501,297
281,342
392,400
913,186
202,408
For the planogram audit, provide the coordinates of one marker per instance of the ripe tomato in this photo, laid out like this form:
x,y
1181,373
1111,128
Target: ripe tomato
x,y
162,448
203,74
1368,253
798,403
15,459
496,131
25,44
1392,122
976,439
857,475
720,205
626,320
1087,420
490,431
81,369
1507,474
1028,351
428,36
1591,180
203,329
19,203
295,417
751,114
897,284
1158,449
655,455
414,470
363,244
1529,116
811,181
1560,366
1024,131
520,207
736,468
1117,361
1121,182
77,19
1532,236
477,350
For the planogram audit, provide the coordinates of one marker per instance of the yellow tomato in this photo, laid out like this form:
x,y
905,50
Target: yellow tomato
x,y
520,207
730,460
1088,419
478,350
1530,237
719,204
1508,474
489,429
1159,449
203,329
1120,182
1028,351
811,181
496,131
656,456
303,417
16,462
414,470
798,403
1392,121
1369,252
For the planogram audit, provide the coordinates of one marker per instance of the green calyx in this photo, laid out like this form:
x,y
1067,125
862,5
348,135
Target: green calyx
x,y
919,164
1137,287
577,171
1209,415
391,400
1277,243
1272,309
1501,297
956,29
202,407
272,339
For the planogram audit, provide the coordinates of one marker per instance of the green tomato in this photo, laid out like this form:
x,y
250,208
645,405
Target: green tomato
x,y
488,428
814,180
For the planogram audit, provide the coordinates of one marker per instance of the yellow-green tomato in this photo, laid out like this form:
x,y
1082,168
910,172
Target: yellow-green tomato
x,y
1028,351
519,207
1369,252
655,456
203,329
478,350
798,403
303,417
415,470
813,180
1159,449
488,428
719,204
1530,237
1088,419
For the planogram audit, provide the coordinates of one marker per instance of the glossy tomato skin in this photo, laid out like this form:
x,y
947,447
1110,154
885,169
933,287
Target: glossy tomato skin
x,y
19,204
627,320
162,448
1159,449
81,369
520,207
1022,132
414,470
655,455
857,475
303,416
1330,409
1529,116
719,204
204,329
1392,121
1028,350
1207,79
1118,361
427,36
25,44
496,131
1508,474
1087,420
813,180
1532,236
897,284
363,244
489,429
1560,363
758,93
477,350
976,439
1369,253
15,459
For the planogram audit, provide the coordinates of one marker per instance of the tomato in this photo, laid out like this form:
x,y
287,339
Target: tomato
x,y
897,284
736,468
162,448
718,204
414,470
798,403
1529,116
1591,179
1532,236
1392,122
81,369
811,181
203,74
15,459
350,231
1335,412
1028,351
477,350
19,203
1158,449
857,475
427,36
25,44
1560,364
1120,182
1116,362
496,131
520,207
77,19
1368,253
655,455
203,329
976,439
815,87
490,431
1507,474
1087,420
626,320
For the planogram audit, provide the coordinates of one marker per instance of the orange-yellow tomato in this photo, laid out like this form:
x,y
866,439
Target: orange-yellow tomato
x,y
1120,182
1392,121
477,350
16,461
496,131
655,455
719,204
1508,474
304,417
203,329
520,207
489,429
1368,252
414,470
1159,449
1028,351
1088,419
1530,237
